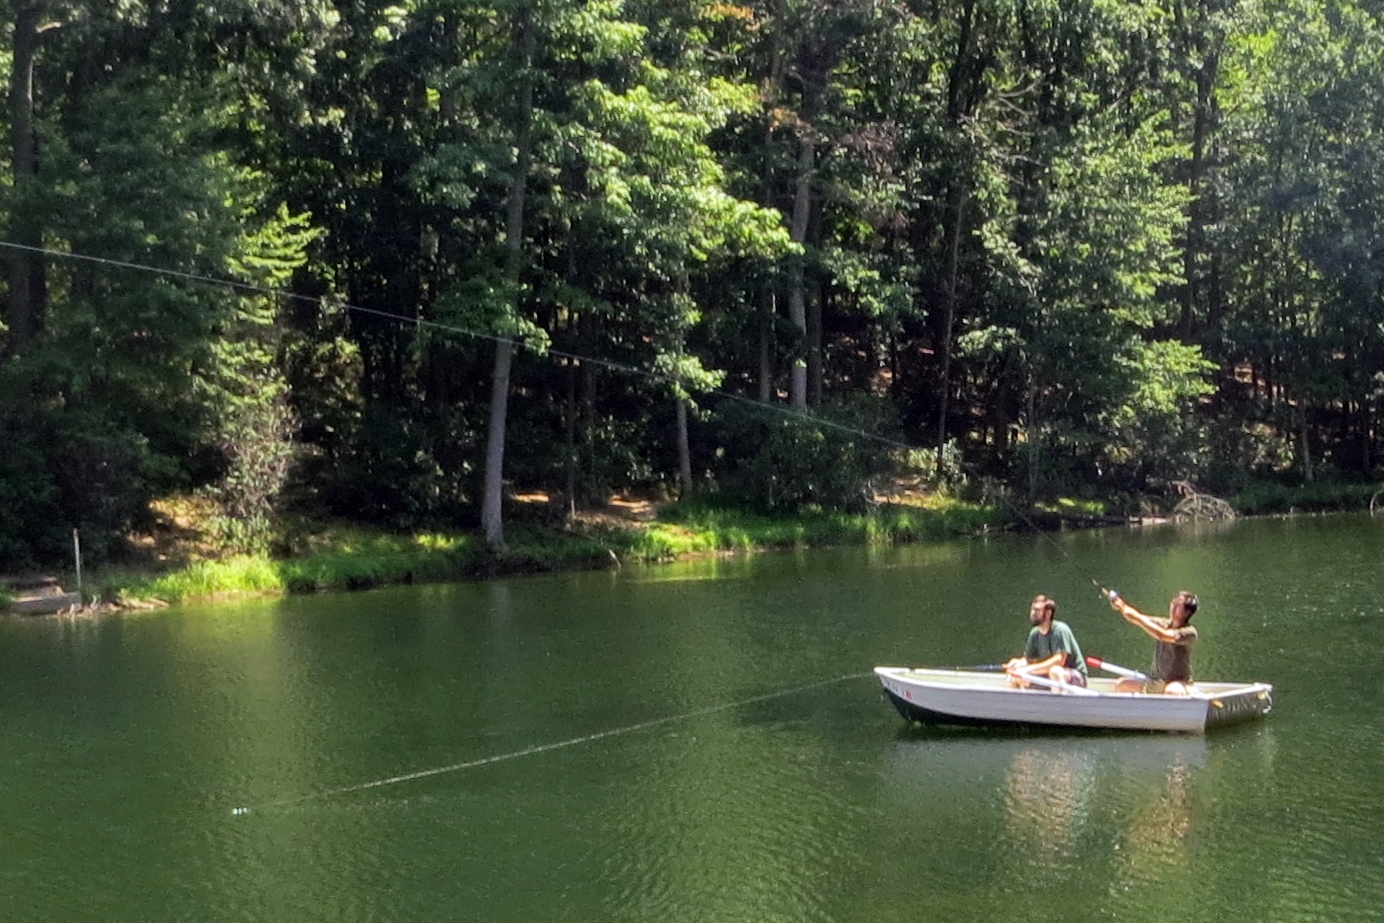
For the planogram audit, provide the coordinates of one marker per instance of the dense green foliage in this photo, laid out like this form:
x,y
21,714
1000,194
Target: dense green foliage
x,y
398,261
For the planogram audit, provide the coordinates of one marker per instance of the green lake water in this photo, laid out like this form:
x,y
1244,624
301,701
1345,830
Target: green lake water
x,y
702,742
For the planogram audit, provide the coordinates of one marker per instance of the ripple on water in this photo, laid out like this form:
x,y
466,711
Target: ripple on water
x,y
730,821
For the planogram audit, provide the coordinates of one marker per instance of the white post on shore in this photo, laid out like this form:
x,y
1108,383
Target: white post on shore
x,y
77,553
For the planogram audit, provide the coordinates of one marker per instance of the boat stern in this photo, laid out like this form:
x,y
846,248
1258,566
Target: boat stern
x,y
1246,703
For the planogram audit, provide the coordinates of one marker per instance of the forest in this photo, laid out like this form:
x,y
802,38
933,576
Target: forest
x,y
398,262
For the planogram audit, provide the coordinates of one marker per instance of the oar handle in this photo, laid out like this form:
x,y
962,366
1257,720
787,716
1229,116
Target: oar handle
x,y
1116,669
1060,687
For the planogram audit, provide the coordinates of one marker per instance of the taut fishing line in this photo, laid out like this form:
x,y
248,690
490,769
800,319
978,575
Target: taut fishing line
x,y
453,329
541,748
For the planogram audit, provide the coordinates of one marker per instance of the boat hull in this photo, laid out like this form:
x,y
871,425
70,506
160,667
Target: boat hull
x,y
957,697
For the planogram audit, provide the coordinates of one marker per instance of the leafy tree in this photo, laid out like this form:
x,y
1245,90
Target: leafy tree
x,y
117,383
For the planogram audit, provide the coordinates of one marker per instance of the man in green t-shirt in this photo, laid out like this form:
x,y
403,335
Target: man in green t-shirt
x,y
1051,650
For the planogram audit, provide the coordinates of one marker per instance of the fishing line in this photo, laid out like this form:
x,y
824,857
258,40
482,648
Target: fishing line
x,y
1066,555
542,748
462,331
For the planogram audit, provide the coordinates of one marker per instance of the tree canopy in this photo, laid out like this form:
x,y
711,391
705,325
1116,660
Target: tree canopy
x,y
395,261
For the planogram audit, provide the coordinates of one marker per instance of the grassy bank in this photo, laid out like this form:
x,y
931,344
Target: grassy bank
x,y
1268,499
351,558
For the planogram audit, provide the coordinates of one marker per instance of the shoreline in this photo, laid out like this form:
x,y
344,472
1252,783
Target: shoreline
x,y
343,558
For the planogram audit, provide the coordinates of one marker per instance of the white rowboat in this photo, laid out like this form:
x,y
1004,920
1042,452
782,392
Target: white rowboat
x,y
972,698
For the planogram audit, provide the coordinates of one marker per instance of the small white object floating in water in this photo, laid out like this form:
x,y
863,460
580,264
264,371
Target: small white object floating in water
x,y
971,698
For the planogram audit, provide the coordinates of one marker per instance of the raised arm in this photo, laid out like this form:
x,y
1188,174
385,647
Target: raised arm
x,y
1135,617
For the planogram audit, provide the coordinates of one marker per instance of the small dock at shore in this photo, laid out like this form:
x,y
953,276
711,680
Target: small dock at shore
x,y
38,595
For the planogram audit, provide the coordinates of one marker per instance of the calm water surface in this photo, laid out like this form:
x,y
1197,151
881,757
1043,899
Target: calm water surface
x,y
702,742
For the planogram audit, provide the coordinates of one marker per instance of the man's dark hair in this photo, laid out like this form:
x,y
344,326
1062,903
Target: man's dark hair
x,y
1189,602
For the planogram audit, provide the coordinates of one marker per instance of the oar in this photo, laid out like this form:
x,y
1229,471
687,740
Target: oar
x,y
1116,669
978,668
1060,687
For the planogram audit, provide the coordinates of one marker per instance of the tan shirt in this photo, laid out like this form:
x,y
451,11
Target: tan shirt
x,y
1172,661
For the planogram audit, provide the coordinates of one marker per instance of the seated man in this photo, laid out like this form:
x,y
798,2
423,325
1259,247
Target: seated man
x,y
1051,650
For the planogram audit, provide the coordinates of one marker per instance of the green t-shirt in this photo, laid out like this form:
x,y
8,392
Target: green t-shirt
x,y
1060,638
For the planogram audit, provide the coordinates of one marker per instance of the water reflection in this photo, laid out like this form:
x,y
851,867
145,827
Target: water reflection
x,y
1158,832
1051,788
1046,793
1128,799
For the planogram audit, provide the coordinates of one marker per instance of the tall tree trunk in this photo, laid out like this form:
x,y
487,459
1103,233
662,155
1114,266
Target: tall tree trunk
x,y
492,498
1195,254
1303,431
766,334
684,443
1365,410
814,347
684,450
773,91
570,412
28,284
797,295
492,501
1031,425
955,207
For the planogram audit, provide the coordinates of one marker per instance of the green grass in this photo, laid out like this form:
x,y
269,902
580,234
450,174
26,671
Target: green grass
x,y
1265,499
352,558
358,559
240,575
729,529
1071,505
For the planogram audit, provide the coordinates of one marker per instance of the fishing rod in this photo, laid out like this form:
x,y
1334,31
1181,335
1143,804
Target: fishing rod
x,y
1066,555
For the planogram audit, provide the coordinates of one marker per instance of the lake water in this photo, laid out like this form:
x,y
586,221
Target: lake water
x,y
702,742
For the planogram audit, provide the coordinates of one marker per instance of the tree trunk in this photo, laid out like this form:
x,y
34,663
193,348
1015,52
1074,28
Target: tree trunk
x,y
766,334
1307,476
492,498
1031,425
27,278
1366,409
955,207
797,296
1200,206
570,402
684,450
492,501
815,371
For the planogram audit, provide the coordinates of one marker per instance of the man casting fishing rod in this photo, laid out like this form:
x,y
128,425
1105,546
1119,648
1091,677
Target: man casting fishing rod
x,y
1172,649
